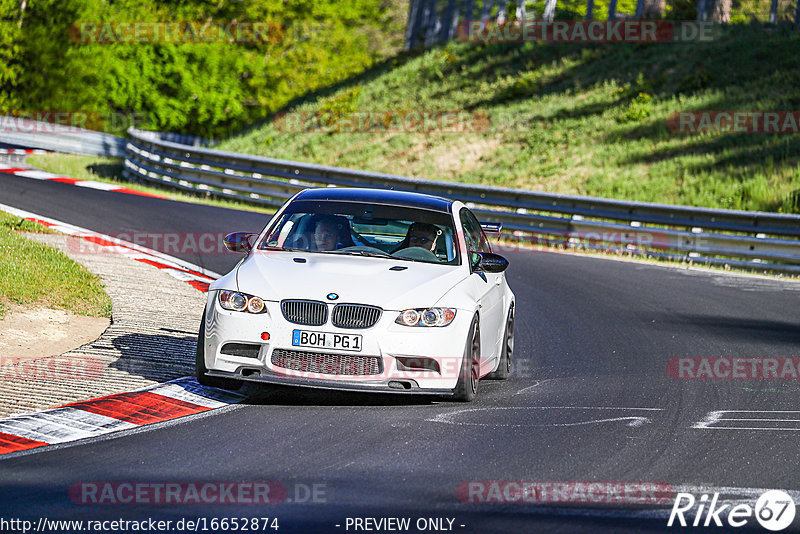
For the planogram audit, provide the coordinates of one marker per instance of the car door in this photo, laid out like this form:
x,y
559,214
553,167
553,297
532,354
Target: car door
x,y
487,290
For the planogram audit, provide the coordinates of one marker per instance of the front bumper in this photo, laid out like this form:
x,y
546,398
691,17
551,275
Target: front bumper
x,y
340,385
386,340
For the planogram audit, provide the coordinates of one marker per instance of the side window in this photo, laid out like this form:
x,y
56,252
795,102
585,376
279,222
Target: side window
x,y
476,239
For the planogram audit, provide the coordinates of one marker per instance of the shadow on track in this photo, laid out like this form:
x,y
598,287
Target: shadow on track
x,y
277,395
158,357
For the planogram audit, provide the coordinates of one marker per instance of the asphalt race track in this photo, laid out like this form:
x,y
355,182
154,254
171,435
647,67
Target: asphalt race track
x,y
590,400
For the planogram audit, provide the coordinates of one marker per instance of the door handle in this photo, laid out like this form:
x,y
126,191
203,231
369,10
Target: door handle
x,y
498,281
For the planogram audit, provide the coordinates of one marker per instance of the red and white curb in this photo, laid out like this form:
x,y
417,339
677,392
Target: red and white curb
x,y
23,151
91,184
122,411
194,275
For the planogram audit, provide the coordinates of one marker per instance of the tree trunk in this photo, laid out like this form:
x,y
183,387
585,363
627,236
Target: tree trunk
x,y
485,8
448,26
702,10
417,23
469,10
549,10
501,11
521,15
653,9
612,10
722,10
22,12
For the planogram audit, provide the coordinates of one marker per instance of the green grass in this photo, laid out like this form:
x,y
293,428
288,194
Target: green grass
x,y
582,119
109,170
34,274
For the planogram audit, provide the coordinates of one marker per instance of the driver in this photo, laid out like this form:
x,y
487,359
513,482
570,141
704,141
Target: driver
x,y
330,234
422,235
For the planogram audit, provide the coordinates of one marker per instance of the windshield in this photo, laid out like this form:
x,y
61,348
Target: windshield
x,y
365,230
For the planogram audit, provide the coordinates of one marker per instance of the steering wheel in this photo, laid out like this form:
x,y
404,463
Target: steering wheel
x,y
416,253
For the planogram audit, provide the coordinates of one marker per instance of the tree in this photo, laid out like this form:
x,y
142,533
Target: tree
x,y
651,9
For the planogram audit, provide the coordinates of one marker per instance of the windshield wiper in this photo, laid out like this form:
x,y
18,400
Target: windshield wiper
x,y
284,249
367,253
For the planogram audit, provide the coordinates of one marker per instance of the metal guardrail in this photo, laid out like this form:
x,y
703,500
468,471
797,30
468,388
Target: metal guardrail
x,y
757,240
59,138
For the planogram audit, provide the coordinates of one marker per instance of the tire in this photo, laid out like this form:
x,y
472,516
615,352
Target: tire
x,y
467,385
504,367
200,365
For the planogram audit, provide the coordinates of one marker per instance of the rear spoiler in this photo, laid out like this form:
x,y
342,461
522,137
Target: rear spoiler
x,y
492,228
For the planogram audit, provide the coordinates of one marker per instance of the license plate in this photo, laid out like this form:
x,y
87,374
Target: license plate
x,y
326,340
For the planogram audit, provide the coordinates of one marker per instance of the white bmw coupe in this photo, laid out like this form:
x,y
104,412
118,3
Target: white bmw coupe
x,y
361,290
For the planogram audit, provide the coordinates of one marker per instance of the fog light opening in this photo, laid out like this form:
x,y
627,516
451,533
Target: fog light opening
x,y
418,364
398,384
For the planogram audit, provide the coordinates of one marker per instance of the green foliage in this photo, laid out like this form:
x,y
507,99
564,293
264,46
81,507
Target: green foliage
x,y
694,81
524,85
18,224
36,274
638,109
205,88
9,48
682,9
576,9
335,107
582,119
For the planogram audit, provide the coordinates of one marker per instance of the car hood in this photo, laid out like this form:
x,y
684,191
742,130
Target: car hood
x,y
275,275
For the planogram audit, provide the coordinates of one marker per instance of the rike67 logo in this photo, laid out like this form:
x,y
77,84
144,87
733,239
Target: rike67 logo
x,y
774,510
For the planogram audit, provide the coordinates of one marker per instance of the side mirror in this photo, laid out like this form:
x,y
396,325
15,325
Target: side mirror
x,y
238,242
488,262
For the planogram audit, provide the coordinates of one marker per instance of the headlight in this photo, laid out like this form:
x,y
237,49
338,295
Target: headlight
x,y
255,305
234,301
426,317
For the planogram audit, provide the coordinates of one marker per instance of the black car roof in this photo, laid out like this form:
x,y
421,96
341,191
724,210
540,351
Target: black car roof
x,y
378,196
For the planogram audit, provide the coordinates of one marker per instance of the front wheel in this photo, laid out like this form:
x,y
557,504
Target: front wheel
x,y
504,367
200,365
467,385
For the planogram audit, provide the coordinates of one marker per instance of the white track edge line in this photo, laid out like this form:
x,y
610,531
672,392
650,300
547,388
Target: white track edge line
x,y
77,229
